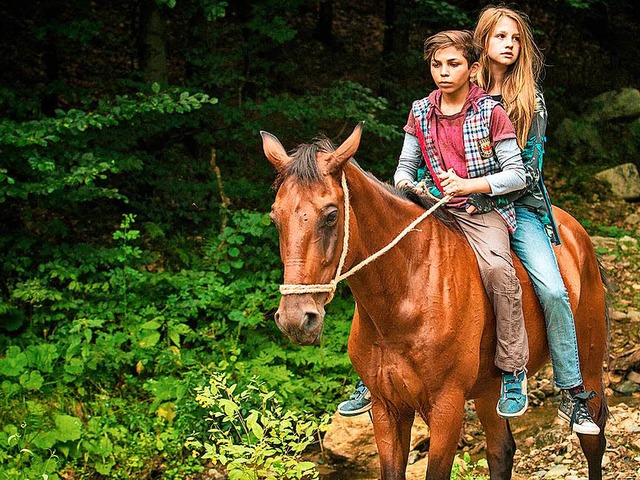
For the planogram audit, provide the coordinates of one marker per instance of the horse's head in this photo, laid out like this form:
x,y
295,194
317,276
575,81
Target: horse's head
x,y
309,213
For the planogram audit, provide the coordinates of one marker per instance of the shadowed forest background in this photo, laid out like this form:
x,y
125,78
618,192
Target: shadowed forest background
x,y
136,254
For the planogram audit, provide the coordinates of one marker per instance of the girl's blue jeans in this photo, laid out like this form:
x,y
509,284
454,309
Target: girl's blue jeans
x,y
532,245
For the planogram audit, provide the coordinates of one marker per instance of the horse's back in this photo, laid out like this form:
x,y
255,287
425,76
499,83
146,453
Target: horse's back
x,y
581,274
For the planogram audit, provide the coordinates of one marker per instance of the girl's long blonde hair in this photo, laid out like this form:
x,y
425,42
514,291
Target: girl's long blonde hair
x,y
519,86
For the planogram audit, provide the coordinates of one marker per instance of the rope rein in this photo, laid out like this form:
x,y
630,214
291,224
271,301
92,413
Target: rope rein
x,y
330,288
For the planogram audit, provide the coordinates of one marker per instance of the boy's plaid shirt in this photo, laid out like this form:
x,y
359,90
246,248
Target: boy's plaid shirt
x,y
480,156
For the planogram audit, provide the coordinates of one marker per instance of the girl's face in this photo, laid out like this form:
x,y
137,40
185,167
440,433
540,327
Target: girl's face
x,y
504,43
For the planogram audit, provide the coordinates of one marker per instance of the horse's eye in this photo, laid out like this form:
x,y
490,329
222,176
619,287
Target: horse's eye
x,y
331,218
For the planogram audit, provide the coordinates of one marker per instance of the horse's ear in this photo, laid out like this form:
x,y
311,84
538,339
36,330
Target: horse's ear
x,y
274,151
344,152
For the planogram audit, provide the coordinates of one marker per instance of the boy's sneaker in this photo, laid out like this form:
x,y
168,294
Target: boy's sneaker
x,y
573,410
513,394
359,402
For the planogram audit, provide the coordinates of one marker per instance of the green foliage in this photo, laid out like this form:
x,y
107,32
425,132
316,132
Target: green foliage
x,y
251,435
582,4
439,11
55,155
465,469
159,332
124,281
19,461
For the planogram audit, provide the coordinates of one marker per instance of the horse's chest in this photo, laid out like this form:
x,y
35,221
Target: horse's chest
x,y
411,372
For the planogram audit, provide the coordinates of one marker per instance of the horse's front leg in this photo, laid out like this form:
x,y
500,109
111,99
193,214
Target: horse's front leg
x,y
392,429
445,422
500,444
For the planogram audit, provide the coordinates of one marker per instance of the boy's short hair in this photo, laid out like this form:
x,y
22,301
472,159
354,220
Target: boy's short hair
x,y
460,39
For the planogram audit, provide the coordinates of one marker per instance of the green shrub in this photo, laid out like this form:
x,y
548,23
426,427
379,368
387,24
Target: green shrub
x,y
251,435
465,469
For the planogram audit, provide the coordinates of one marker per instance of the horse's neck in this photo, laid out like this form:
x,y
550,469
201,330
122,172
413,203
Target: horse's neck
x,y
379,217
393,291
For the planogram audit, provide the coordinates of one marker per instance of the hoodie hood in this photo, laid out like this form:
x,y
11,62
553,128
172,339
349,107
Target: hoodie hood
x,y
475,93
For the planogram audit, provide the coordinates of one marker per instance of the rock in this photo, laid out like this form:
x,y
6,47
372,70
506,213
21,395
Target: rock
x,y
629,425
582,138
628,240
414,456
352,440
633,376
420,433
417,470
618,315
547,387
604,242
624,180
619,104
557,471
633,219
627,387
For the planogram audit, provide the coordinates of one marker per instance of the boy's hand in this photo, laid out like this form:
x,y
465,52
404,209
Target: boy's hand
x,y
452,184
419,188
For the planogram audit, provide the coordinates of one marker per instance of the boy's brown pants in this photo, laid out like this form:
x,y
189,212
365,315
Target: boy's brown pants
x,y
489,237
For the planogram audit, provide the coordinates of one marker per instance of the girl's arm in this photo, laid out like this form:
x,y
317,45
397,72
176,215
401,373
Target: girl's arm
x,y
512,176
532,157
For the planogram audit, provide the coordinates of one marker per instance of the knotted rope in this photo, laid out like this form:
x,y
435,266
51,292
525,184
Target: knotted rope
x,y
330,288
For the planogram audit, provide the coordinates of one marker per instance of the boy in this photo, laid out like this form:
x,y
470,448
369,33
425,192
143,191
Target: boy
x,y
469,146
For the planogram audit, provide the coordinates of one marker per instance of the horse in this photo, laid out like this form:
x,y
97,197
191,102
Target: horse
x,y
423,333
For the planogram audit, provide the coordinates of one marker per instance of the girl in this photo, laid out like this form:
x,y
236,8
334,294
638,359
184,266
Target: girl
x,y
510,67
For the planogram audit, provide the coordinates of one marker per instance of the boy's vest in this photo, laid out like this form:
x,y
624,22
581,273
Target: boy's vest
x,y
480,156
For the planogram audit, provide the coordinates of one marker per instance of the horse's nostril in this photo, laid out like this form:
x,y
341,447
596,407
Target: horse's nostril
x,y
310,321
277,318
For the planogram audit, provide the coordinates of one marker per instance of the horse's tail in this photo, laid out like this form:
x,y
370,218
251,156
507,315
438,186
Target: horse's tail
x,y
607,285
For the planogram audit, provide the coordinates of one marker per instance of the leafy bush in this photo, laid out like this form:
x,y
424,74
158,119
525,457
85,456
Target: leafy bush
x,y
465,469
104,373
251,435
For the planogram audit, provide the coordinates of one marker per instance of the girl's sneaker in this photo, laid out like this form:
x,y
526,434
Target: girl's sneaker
x,y
573,410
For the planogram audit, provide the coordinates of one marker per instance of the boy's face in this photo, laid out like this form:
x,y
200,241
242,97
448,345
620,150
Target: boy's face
x,y
450,70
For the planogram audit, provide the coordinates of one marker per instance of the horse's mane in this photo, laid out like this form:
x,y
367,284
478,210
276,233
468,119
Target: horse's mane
x,y
441,214
304,168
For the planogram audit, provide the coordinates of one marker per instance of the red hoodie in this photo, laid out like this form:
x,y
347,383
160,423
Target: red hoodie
x,y
448,135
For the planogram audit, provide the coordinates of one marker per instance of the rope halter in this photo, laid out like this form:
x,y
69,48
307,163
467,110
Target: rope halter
x,y
330,288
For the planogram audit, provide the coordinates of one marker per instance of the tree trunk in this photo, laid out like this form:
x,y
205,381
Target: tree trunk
x,y
50,58
152,52
324,25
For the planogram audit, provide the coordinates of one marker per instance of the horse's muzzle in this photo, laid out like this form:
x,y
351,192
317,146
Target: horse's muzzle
x,y
302,326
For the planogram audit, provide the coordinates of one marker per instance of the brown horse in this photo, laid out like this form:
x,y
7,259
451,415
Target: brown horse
x,y
423,334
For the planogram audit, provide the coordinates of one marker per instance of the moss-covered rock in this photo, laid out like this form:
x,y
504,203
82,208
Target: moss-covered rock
x,y
614,105
624,180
